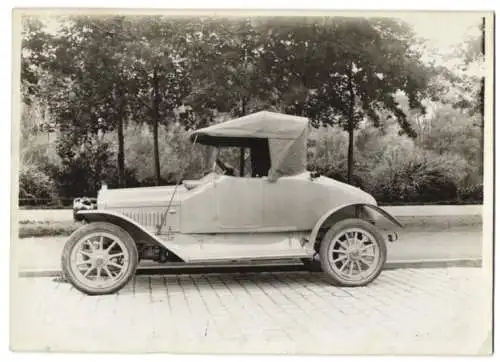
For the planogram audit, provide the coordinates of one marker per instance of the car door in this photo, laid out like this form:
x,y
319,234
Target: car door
x,y
239,202
283,206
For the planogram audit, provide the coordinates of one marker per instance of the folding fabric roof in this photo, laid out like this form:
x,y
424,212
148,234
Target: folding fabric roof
x,y
287,137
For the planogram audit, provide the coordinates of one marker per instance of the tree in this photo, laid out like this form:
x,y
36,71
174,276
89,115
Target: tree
x,y
92,80
161,75
107,70
37,50
455,121
101,78
332,70
363,63
230,75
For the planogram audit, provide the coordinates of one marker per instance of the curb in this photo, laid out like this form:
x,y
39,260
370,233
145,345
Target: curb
x,y
440,222
269,267
435,263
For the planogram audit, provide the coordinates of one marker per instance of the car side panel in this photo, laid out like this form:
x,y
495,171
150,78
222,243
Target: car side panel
x,y
289,203
239,203
199,210
238,246
297,202
233,204
225,205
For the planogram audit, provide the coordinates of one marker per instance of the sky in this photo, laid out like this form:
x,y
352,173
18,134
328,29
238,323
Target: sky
x,y
443,29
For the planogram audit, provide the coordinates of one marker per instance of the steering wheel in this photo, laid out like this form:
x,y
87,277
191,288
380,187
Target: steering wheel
x,y
227,169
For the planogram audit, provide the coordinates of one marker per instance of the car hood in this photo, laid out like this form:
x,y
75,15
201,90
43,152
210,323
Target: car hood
x,y
140,196
150,196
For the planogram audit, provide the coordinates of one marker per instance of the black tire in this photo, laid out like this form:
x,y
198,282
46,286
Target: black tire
x,y
335,276
92,228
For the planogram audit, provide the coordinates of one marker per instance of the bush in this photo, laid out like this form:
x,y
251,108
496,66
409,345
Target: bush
x,y
471,194
388,165
327,154
84,164
35,186
393,168
414,175
177,155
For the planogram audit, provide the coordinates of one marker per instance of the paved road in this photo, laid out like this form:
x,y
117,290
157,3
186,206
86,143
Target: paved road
x,y
406,311
461,242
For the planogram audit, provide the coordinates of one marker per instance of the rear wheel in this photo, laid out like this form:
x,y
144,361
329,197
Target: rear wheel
x,y
353,253
99,258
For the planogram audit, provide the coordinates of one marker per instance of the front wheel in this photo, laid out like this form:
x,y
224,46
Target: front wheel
x,y
353,253
99,258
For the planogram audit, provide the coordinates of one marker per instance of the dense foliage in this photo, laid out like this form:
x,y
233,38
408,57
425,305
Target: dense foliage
x,y
112,99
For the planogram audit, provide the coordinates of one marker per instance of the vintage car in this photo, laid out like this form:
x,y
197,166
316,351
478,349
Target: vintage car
x,y
269,207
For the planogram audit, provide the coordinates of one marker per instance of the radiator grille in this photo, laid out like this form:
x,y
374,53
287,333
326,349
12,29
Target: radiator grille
x,y
151,217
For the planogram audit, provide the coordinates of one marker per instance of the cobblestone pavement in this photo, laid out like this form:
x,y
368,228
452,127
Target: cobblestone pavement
x,y
405,311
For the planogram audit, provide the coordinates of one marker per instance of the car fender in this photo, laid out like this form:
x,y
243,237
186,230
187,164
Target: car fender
x,y
137,231
339,209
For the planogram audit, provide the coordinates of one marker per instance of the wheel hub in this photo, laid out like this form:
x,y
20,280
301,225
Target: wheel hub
x,y
99,261
353,253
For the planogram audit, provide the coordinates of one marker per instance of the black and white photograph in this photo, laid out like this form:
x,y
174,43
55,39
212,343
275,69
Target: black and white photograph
x,y
252,182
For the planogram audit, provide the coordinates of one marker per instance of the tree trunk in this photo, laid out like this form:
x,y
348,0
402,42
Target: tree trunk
x,y
350,130
350,156
119,106
156,154
243,109
156,120
121,152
